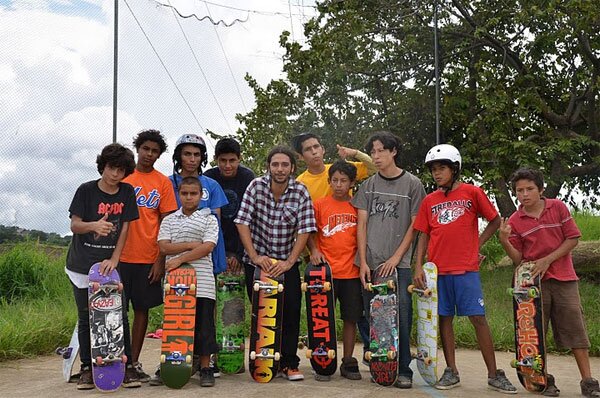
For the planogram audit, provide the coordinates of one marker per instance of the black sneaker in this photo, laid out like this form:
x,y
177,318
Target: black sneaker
x,y
207,379
448,380
349,369
155,380
590,387
213,366
551,389
142,376
501,383
131,379
86,381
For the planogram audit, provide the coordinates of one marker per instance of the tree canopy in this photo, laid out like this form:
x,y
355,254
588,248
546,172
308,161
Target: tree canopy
x,y
519,87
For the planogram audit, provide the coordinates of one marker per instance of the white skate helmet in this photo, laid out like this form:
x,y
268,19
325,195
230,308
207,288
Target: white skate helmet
x,y
443,152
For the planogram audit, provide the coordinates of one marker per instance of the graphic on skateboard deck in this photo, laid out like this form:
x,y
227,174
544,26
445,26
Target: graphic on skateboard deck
x,y
383,321
105,297
231,313
177,348
265,330
69,355
530,345
427,324
320,318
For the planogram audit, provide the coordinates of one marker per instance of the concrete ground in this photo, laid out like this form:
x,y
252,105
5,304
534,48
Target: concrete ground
x,y
42,377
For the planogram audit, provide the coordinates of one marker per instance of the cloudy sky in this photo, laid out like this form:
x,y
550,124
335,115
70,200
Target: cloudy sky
x,y
56,70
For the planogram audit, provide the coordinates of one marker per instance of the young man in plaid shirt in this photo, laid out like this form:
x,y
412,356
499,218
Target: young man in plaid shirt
x,y
275,219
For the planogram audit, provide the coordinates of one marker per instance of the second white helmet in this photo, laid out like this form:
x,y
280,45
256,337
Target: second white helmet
x,y
443,152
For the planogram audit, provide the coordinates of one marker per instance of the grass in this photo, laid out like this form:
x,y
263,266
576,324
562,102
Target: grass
x,y
588,224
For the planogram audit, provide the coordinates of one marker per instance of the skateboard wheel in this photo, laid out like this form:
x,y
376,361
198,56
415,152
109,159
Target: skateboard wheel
x,y
99,361
514,363
410,288
532,292
370,286
188,359
390,284
427,292
427,361
391,354
242,346
331,354
167,287
304,286
280,288
256,286
163,358
308,354
124,358
192,288
510,291
536,365
368,355
277,356
252,355
327,286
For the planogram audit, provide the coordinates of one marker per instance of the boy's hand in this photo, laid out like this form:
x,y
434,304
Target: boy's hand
x,y
156,272
263,262
387,268
419,278
316,257
172,264
505,230
365,274
280,267
344,152
103,227
540,268
233,265
107,266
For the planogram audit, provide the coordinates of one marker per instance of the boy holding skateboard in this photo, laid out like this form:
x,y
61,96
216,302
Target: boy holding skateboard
x,y
543,231
387,204
189,236
335,243
448,222
100,213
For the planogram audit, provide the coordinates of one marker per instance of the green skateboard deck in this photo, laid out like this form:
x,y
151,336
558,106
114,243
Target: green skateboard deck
x,y
231,330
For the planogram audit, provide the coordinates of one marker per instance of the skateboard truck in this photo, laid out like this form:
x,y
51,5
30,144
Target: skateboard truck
x,y
423,356
264,354
420,292
176,358
320,351
110,358
180,288
529,362
319,287
381,287
107,288
267,287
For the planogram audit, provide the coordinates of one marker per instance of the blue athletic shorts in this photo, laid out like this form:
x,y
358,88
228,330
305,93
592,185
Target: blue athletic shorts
x,y
460,295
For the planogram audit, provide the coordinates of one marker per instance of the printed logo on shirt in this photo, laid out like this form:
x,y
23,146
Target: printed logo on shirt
x,y
110,208
448,212
387,208
151,201
339,223
205,194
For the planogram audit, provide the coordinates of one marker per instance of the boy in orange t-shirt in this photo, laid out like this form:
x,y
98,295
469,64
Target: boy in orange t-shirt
x,y
335,242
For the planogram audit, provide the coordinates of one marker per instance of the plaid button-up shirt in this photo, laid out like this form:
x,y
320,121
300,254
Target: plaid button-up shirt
x,y
273,225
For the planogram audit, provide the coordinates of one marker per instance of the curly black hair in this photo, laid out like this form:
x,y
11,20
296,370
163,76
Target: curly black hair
x,y
116,155
150,135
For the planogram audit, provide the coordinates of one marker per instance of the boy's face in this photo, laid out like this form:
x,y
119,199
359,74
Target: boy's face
x,y
312,152
280,168
528,193
148,153
112,175
442,174
382,158
191,157
228,164
189,195
340,184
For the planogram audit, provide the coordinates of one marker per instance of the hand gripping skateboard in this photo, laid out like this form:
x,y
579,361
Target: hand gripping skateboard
x,y
320,317
530,355
105,297
427,324
265,330
383,321
177,348
69,354
231,313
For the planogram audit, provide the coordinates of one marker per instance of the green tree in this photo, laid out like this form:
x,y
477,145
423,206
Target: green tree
x,y
519,86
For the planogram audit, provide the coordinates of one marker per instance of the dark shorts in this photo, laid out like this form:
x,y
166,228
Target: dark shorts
x,y
562,307
142,294
460,295
348,292
205,340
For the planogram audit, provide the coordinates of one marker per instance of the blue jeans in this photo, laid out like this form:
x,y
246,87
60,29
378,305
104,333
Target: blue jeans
x,y
404,319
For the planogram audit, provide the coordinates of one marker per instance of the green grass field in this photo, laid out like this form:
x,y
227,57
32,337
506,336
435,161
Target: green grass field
x,y
37,312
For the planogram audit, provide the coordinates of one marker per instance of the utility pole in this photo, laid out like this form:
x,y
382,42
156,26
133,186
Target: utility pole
x,y
437,72
115,70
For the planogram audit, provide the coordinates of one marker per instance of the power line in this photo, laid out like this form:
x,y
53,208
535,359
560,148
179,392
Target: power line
x,y
220,21
202,71
259,12
164,66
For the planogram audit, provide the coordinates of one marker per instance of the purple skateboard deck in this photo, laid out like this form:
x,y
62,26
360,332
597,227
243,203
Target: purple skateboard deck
x,y
106,329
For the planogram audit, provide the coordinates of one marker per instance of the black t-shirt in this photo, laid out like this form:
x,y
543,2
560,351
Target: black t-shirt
x,y
234,189
91,203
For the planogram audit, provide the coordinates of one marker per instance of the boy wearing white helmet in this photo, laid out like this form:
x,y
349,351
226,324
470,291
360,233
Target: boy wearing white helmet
x,y
448,221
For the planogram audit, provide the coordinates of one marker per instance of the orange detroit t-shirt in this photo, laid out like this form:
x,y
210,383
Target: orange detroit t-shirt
x,y
154,195
336,236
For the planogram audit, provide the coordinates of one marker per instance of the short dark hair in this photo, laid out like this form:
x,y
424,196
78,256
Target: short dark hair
x,y
343,167
116,155
300,138
190,181
227,145
388,140
150,135
527,173
284,150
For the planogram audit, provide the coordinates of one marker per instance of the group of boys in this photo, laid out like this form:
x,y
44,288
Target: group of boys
x,y
277,216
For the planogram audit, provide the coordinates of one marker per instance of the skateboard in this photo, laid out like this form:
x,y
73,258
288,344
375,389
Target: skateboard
x,y
383,321
265,330
69,354
320,318
231,314
177,348
530,354
427,324
105,297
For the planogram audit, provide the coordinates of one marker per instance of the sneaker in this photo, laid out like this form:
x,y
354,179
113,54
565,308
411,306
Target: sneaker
x,y
403,382
207,378
590,388
292,374
86,381
195,364
131,379
551,389
142,376
500,383
213,365
448,380
156,380
349,369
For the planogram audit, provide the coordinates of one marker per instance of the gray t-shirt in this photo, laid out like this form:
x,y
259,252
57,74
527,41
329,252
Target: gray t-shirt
x,y
390,203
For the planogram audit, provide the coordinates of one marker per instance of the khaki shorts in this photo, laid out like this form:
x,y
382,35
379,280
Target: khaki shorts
x,y
562,306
